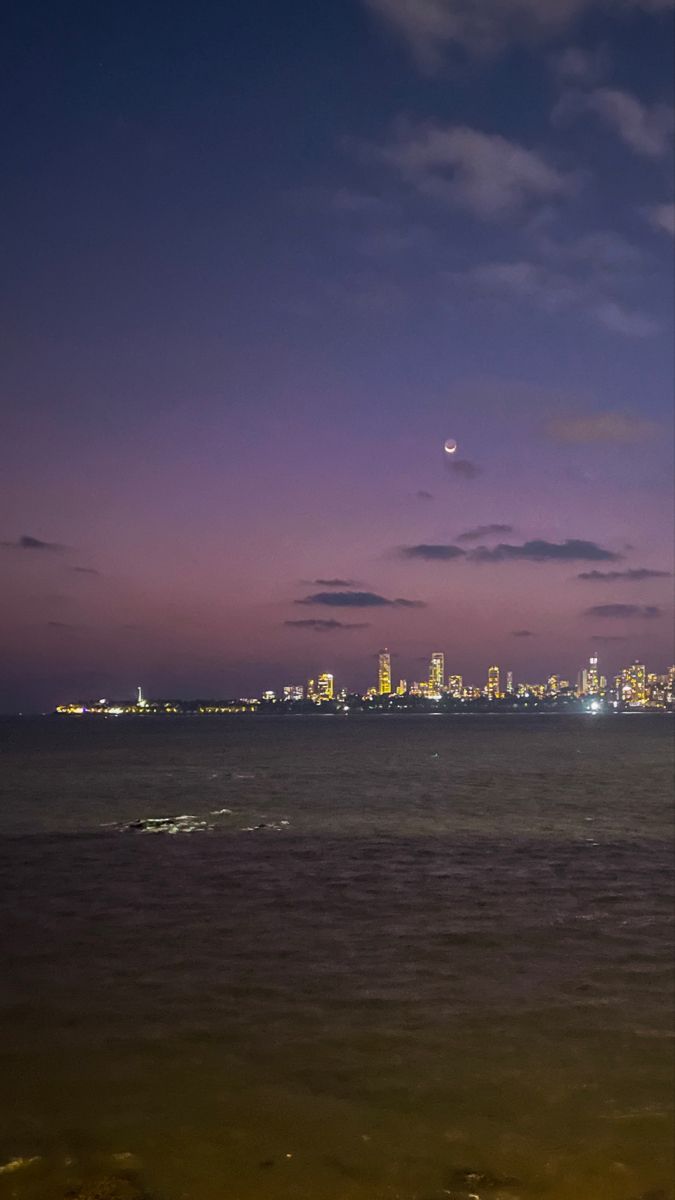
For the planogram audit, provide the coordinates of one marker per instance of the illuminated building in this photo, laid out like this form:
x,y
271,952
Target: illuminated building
x,y
592,680
269,695
436,673
384,673
634,684
553,685
509,683
311,690
670,695
455,685
493,683
325,688
402,687
294,691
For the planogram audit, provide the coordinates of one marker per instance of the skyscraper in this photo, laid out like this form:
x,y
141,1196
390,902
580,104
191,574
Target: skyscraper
x,y
455,685
384,673
325,687
436,672
493,683
592,678
509,683
634,684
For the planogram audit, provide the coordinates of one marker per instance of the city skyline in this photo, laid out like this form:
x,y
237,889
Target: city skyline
x,y
332,333
633,682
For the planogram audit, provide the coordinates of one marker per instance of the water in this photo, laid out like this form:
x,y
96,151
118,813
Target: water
x,y
457,955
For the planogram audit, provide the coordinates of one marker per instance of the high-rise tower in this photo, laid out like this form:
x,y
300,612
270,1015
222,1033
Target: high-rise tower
x,y
436,672
493,683
384,673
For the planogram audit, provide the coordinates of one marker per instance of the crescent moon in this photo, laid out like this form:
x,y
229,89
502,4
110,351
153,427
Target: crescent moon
x,y
450,446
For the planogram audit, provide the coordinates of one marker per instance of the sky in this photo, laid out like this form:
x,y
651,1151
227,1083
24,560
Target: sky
x,y
260,260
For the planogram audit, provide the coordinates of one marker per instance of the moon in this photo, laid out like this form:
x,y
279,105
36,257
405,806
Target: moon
x,y
450,446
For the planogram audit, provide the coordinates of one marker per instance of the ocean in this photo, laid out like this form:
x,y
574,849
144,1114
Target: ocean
x,y
368,958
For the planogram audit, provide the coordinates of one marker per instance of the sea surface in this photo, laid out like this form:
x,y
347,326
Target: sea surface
x,y
418,957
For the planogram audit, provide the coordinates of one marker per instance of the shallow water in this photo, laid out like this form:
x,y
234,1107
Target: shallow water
x,y
456,955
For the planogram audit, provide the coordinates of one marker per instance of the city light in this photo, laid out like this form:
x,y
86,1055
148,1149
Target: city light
x,y
633,689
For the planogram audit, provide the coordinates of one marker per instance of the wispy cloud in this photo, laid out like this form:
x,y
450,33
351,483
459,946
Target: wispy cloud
x,y
522,633
432,27
433,552
620,611
557,289
618,319
661,217
481,531
591,428
84,570
340,583
646,129
461,468
25,542
631,575
482,172
539,550
358,600
424,495
328,626
580,66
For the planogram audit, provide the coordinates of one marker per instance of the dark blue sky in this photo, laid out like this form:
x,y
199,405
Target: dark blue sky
x,y
258,262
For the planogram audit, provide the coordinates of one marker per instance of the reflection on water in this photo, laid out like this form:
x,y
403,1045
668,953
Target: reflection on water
x,y
445,975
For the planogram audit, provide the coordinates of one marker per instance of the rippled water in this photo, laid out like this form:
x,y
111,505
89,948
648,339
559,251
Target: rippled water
x,y
456,956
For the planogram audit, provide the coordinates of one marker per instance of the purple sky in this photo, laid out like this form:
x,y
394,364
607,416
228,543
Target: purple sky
x,y
259,265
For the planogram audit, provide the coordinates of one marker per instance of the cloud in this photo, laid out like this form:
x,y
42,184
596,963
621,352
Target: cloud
x,y
615,611
358,600
539,550
522,633
579,66
611,427
433,552
631,575
462,468
556,290
618,319
432,27
484,173
345,583
60,625
31,543
84,570
661,217
599,638
646,129
327,626
472,535
424,495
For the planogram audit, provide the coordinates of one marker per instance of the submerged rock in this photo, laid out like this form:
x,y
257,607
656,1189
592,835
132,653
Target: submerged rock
x,y
108,1188
16,1164
184,823
469,1178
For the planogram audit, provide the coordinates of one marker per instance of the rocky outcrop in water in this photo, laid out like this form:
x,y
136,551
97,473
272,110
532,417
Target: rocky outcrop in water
x,y
110,1187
